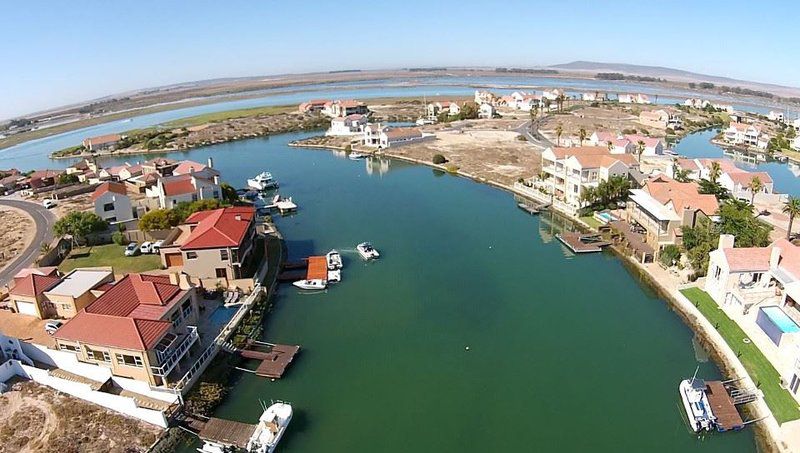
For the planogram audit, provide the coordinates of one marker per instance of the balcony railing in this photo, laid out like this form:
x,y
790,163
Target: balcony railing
x,y
168,362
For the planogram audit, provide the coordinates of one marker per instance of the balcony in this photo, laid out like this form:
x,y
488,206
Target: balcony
x,y
174,351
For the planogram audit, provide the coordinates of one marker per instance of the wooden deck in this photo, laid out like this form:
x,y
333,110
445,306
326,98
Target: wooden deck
x,y
275,358
728,417
317,268
581,243
227,432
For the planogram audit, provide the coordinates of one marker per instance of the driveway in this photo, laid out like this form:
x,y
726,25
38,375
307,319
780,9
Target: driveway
x,y
44,220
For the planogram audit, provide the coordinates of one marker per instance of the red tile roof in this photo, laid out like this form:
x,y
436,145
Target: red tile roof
x,y
187,166
102,139
681,194
33,285
746,259
744,177
224,227
178,185
114,187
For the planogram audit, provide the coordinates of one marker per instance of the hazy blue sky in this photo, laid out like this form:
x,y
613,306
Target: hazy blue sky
x,y
59,52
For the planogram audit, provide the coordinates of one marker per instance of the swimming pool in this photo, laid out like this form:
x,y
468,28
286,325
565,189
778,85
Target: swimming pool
x,y
775,323
604,217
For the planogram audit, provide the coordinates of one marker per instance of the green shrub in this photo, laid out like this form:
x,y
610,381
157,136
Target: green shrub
x,y
670,254
451,168
438,159
118,238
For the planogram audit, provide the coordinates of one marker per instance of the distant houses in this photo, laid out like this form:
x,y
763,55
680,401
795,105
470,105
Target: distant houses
x,y
638,98
102,142
661,119
744,134
315,105
434,109
628,143
344,108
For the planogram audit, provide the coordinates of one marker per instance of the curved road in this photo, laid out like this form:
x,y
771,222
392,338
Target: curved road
x,y
43,220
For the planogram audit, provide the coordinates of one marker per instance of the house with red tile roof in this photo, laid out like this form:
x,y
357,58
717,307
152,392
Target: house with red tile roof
x,y
27,297
168,191
112,203
102,142
140,328
44,178
344,108
215,244
314,105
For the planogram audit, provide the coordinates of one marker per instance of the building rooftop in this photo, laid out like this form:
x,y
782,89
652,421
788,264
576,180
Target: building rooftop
x,y
33,285
224,227
114,187
80,281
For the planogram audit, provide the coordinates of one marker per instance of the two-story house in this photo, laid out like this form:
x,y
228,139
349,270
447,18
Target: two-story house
x,y
745,135
193,186
112,203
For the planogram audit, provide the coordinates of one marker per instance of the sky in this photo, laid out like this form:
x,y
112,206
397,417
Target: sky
x,y
60,52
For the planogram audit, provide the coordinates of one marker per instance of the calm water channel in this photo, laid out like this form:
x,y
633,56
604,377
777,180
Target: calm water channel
x,y
565,353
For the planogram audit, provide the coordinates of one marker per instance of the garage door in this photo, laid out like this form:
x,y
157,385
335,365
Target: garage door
x,y
174,259
26,308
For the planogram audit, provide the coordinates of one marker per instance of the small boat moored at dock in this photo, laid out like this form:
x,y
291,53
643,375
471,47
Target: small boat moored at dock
x,y
311,284
367,251
356,156
220,436
262,181
335,276
695,403
529,209
712,405
334,260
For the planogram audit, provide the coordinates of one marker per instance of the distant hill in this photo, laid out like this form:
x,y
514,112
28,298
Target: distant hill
x,y
677,75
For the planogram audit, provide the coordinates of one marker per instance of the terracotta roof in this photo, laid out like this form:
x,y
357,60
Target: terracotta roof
x,y
605,137
178,185
114,171
744,177
115,187
187,166
681,195
562,153
725,165
649,142
102,139
113,331
350,103
790,256
399,133
33,285
224,227
44,270
43,174
748,258
742,127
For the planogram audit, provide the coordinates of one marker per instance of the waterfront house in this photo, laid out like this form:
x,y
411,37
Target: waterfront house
x,y
627,98
159,165
186,167
593,96
314,105
212,244
344,108
795,145
76,290
553,94
661,119
434,109
81,167
622,146
485,97
112,203
652,146
43,178
662,206
486,111
129,171
744,134
776,116
139,328
696,103
347,125
568,172
737,182
102,142
197,185
114,173
380,136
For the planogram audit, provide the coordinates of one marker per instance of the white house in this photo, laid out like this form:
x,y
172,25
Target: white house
x,y
627,98
553,94
485,97
599,138
796,143
696,103
197,185
776,116
380,136
486,111
738,182
437,108
111,202
746,135
652,146
622,146
344,108
347,125
593,96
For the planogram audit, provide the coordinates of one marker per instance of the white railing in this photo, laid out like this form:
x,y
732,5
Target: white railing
x,y
169,363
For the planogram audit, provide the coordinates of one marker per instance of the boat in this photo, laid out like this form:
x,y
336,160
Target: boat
x,y
334,260
262,181
334,276
264,437
367,251
695,403
285,205
311,284
424,121
356,156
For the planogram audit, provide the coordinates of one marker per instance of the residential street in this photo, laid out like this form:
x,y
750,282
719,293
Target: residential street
x,y
44,221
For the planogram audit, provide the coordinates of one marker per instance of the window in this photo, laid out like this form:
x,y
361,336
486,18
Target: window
x,y
191,255
221,273
129,360
100,356
194,197
223,255
66,306
108,207
186,307
717,272
67,347
216,194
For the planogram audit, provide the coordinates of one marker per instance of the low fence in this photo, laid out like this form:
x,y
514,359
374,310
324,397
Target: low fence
x,y
59,249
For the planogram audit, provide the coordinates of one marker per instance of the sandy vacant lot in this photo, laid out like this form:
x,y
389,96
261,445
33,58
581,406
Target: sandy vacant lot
x,y
34,418
17,232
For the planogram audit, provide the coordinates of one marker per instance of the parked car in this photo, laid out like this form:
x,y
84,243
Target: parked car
x,y
132,249
147,247
48,203
51,326
156,248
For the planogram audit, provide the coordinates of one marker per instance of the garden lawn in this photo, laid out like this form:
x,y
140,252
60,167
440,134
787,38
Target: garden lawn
x,y
592,222
779,400
110,255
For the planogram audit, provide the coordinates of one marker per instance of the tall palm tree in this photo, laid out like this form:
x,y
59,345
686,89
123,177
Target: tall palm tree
x,y
716,171
582,135
559,131
560,101
792,209
755,186
640,150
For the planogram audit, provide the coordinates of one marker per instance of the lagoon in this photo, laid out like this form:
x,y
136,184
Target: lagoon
x,y
565,353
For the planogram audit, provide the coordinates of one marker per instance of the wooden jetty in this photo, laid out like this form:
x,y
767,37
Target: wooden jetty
x,y
582,243
227,432
317,268
723,407
528,208
275,358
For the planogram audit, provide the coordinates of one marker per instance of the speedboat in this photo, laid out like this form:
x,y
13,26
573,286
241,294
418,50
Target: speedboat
x,y
356,156
335,276
271,426
262,181
311,284
367,251
334,260
695,403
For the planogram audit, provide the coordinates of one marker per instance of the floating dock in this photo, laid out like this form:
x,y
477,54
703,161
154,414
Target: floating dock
x,y
723,407
227,432
317,268
275,358
582,243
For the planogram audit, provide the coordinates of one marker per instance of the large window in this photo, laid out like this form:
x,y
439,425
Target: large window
x,y
129,360
221,273
67,347
99,356
191,255
108,207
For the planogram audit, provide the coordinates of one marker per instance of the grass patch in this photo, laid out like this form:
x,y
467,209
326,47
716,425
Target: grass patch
x,y
216,117
779,400
591,221
110,255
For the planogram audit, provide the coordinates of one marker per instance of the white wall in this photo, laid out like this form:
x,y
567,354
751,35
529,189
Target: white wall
x,y
67,361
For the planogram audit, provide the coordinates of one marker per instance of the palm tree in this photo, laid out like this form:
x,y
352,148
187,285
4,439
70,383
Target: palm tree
x,y
588,196
716,170
755,186
546,103
792,209
560,101
582,135
639,150
559,131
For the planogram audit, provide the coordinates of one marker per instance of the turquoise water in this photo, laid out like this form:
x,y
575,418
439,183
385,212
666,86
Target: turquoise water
x,y
781,319
565,353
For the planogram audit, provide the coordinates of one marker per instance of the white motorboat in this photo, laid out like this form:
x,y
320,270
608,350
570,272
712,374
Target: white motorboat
x,y
311,284
271,426
367,251
262,181
356,156
695,403
334,260
285,205
335,276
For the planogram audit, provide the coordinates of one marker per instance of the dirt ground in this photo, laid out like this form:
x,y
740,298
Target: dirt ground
x,y
35,418
81,202
17,232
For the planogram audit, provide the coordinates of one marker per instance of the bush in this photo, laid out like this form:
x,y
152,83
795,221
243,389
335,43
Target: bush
x,y
522,138
451,168
438,159
669,254
118,238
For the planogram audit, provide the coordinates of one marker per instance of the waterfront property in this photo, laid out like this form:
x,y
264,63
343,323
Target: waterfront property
x,y
314,105
344,108
102,142
661,119
734,179
349,125
76,290
381,137
112,203
745,134
449,108
628,98
168,191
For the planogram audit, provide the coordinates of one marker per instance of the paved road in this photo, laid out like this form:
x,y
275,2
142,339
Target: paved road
x,y
530,129
44,221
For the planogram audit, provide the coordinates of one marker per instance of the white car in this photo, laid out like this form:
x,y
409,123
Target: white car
x,y
132,249
52,326
156,247
48,203
147,247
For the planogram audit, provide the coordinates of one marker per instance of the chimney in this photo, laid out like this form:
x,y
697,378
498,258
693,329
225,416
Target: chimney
x,y
210,162
774,257
725,241
183,281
